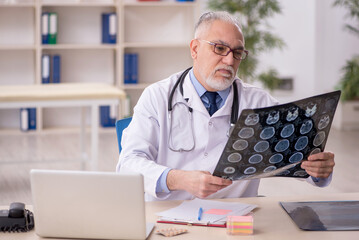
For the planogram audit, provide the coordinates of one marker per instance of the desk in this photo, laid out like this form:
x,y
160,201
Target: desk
x,y
83,95
271,222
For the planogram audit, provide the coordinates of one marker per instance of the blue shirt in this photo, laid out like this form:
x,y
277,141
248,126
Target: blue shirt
x,y
220,100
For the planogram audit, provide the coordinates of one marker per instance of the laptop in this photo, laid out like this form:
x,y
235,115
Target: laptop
x,y
80,204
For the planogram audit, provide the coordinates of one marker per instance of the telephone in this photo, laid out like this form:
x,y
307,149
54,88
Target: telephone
x,y
16,219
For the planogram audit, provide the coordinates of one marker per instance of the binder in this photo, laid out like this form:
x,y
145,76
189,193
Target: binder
x,y
56,68
45,27
105,119
127,68
45,68
24,119
134,68
109,28
32,118
52,28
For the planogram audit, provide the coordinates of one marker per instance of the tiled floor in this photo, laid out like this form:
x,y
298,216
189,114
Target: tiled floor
x,y
15,185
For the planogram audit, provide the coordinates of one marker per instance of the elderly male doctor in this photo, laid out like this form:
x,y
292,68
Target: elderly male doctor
x,y
178,132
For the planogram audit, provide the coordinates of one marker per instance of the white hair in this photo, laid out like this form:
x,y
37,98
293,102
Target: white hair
x,y
208,18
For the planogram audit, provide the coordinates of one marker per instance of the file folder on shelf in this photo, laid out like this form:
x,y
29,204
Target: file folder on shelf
x,y
32,118
45,27
134,68
109,28
52,28
55,68
105,119
45,68
24,119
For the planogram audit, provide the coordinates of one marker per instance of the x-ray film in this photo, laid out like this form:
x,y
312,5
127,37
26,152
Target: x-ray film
x,y
273,141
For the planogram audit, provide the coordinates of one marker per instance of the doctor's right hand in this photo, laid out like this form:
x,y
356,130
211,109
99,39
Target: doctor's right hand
x,y
199,183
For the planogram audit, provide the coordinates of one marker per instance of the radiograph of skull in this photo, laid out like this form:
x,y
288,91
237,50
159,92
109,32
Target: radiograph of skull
x,y
256,158
240,145
287,131
296,157
252,119
229,170
315,151
276,158
269,169
323,122
306,126
310,109
319,139
300,173
250,170
301,143
282,145
292,114
246,132
234,157
261,146
267,133
273,117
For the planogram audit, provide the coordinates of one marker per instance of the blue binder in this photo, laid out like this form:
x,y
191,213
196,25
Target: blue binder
x,y
45,68
134,68
127,68
32,118
105,119
55,68
45,27
109,28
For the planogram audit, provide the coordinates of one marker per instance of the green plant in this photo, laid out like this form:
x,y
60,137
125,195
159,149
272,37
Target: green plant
x,y
269,79
253,15
349,83
353,7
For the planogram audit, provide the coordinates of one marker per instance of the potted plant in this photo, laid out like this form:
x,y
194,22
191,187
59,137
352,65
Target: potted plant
x,y
347,116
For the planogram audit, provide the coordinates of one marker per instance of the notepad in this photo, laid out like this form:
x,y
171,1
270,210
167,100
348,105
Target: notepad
x,y
214,212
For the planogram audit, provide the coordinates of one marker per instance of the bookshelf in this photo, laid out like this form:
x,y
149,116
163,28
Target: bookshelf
x,y
158,31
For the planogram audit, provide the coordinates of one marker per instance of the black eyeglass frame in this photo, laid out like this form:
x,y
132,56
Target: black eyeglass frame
x,y
230,49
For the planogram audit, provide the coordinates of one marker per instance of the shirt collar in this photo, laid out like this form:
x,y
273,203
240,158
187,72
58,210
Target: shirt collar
x,y
201,90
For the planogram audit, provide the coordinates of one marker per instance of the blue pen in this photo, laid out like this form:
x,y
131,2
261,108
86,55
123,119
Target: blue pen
x,y
200,211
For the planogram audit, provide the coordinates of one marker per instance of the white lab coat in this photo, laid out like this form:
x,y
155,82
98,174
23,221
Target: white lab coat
x,y
145,142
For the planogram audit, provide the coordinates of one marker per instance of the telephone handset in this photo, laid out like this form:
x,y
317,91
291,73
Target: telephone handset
x,y
16,219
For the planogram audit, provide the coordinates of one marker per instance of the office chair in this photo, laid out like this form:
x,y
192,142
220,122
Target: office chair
x,y
120,126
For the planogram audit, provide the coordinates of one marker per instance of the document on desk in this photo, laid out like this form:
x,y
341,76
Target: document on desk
x,y
214,213
273,141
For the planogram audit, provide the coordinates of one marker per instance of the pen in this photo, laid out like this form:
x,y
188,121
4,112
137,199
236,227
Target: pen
x,y
200,211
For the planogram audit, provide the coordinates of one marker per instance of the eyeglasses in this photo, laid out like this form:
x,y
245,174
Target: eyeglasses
x,y
223,50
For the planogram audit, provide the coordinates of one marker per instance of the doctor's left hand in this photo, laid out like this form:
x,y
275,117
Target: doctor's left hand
x,y
319,165
199,183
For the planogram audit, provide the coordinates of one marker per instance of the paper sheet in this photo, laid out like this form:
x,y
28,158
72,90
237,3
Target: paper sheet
x,y
213,211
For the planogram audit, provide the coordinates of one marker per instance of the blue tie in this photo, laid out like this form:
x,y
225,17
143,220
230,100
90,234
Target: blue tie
x,y
212,102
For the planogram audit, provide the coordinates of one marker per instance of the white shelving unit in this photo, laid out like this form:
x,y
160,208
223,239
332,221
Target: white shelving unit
x,y
159,31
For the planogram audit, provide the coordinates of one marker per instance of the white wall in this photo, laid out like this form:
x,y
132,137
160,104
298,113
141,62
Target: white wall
x,y
316,46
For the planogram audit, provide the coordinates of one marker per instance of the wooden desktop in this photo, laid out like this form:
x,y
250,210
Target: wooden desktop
x,y
271,222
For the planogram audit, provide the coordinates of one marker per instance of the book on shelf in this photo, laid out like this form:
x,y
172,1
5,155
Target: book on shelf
x,y
109,28
52,28
55,68
45,27
131,68
45,68
50,68
27,119
107,118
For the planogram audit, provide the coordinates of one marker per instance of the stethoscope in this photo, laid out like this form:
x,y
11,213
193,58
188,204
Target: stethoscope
x,y
179,83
